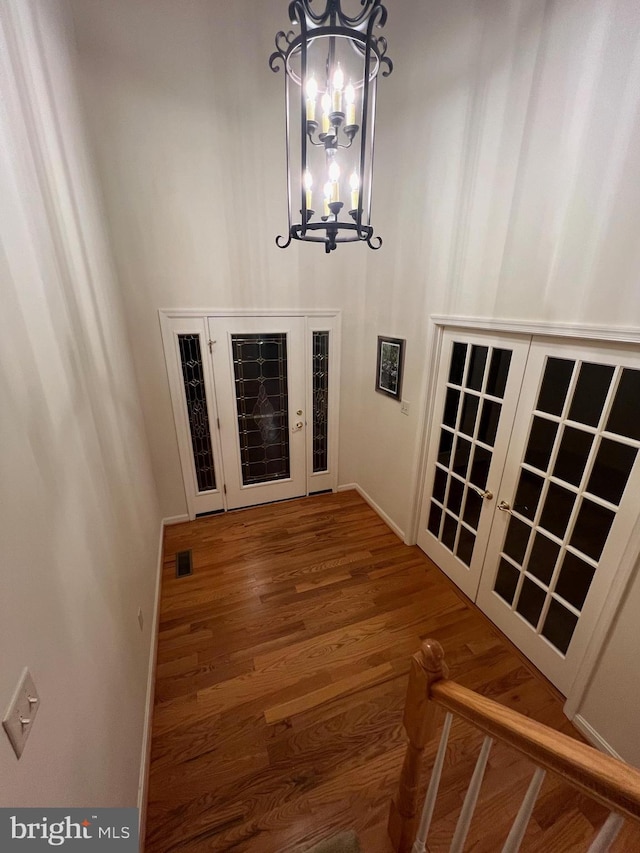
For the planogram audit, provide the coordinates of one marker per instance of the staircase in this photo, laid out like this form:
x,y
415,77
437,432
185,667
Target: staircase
x,y
605,780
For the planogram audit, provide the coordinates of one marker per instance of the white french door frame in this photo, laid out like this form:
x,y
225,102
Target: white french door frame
x,y
178,321
568,331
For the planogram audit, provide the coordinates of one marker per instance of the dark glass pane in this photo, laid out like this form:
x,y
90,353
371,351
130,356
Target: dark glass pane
x,y
476,367
196,399
444,449
557,509
461,456
449,531
542,559
517,540
624,418
458,356
540,444
454,499
489,422
439,485
469,412
611,470
506,581
466,541
262,405
590,393
320,380
498,372
574,580
528,493
591,528
531,601
480,467
435,515
451,407
559,626
575,445
557,375
472,508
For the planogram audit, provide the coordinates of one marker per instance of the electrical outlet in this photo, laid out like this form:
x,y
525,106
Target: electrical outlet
x,y
21,713
404,407
140,618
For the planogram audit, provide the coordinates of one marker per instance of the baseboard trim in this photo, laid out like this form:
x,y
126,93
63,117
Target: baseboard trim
x,y
374,506
145,760
593,737
175,519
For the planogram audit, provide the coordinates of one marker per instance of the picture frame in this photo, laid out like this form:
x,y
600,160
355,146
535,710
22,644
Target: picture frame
x,y
390,365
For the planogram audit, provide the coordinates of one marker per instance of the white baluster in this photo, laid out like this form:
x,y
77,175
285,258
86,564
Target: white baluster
x,y
419,845
519,827
468,807
607,834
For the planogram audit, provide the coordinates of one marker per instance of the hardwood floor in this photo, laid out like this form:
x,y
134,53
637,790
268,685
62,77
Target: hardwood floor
x,y
282,665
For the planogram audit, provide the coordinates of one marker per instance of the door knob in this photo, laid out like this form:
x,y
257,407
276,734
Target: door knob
x,y
505,507
299,412
299,425
486,494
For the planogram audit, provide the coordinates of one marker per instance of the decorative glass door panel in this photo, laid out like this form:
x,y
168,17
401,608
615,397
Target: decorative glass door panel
x,y
477,391
186,344
260,371
320,391
259,366
196,401
566,505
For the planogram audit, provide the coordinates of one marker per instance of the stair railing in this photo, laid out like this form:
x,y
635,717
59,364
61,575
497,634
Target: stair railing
x,y
611,782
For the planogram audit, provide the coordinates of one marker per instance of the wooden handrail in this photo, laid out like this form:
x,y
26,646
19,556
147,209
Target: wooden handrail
x,y
607,780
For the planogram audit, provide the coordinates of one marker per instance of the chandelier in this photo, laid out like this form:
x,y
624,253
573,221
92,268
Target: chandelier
x,y
331,71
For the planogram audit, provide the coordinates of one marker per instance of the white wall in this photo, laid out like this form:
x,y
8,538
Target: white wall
x,y
189,144
512,128
611,704
80,520
507,172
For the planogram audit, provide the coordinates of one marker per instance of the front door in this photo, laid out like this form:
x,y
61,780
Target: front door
x,y
259,365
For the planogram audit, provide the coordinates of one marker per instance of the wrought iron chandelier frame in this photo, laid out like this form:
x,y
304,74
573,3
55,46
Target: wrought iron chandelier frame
x,y
332,24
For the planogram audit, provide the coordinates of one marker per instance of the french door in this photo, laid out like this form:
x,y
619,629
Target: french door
x,y
260,363
478,384
255,406
564,502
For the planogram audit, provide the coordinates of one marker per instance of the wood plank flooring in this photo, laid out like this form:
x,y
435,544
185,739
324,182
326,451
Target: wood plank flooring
x,y
282,668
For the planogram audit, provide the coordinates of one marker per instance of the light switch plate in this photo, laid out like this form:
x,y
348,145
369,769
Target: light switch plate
x,y
18,719
405,405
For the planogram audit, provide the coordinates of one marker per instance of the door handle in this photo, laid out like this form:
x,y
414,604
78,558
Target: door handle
x,y
505,507
299,412
486,494
297,426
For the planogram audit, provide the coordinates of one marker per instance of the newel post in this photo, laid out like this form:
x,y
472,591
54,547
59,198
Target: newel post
x,y
427,667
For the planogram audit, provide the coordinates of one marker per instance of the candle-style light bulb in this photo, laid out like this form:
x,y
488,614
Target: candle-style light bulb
x,y
312,93
338,86
354,182
326,109
334,175
350,98
307,180
327,198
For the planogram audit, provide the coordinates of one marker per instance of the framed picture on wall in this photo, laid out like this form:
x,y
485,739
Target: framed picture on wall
x,y
389,368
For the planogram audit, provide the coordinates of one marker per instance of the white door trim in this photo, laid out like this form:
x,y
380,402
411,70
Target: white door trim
x,y
171,327
328,319
631,558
